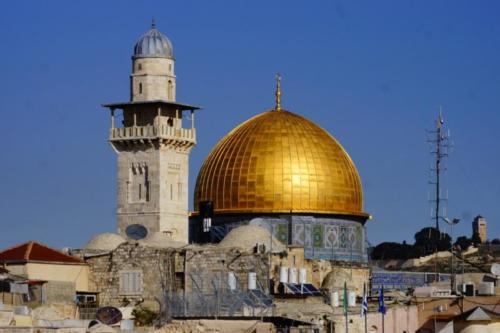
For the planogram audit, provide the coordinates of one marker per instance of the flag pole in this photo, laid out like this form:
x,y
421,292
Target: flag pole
x,y
383,326
365,303
381,306
383,312
344,303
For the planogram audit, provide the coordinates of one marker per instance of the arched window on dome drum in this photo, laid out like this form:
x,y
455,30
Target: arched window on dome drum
x,y
170,90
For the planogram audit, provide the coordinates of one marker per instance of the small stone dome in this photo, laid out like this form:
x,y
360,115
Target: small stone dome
x,y
161,240
105,242
334,281
247,236
153,44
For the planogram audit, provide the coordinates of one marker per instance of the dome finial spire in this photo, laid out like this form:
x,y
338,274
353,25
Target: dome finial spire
x,y
278,92
153,23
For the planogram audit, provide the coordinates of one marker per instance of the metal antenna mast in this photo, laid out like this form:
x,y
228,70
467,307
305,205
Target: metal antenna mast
x,y
439,139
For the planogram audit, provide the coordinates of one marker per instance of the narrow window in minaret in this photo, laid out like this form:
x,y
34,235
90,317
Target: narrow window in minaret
x,y
127,187
138,184
140,88
170,88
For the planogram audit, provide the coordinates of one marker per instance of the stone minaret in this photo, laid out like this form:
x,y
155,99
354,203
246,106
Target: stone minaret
x,y
153,140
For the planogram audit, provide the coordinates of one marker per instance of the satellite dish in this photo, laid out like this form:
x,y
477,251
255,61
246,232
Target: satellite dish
x,y
136,231
495,269
109,315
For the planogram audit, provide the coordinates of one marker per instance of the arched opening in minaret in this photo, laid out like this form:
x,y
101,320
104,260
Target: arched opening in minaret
x,y
170,89
140,88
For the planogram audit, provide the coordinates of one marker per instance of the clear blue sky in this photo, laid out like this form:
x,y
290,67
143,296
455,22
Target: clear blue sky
x,y
373,73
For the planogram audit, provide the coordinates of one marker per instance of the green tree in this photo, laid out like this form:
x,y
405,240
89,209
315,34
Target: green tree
x,y
463,242
391,250
429,239
476,240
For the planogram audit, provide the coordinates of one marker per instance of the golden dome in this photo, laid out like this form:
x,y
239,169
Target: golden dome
x,y
280,162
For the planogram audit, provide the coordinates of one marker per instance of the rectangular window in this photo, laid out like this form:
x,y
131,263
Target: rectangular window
x,y
138,185
131,282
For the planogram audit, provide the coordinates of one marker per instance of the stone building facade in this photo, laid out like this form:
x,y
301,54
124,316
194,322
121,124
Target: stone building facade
x,y
323,237
325,274
135,273
479,227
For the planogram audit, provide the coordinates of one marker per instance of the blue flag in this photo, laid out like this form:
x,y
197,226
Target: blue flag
x,y
381,305
364,302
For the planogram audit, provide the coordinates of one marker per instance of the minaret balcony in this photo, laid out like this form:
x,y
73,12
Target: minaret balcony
x,y
154,132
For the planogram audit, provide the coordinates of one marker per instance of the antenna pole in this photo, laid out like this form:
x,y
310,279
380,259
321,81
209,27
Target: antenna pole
x,y
438,169
439,141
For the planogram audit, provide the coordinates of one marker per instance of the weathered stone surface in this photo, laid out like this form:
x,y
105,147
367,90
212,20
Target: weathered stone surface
x,y
170,270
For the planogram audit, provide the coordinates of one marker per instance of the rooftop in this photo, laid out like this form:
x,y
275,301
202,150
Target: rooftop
x,y
33,251
125,105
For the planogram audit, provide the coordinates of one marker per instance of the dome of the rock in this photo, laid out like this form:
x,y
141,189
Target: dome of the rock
x,y
280,162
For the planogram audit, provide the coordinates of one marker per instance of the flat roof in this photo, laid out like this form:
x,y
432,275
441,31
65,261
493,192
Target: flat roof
x,y
124,105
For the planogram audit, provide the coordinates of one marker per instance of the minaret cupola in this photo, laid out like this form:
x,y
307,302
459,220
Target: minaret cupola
x,y
153,61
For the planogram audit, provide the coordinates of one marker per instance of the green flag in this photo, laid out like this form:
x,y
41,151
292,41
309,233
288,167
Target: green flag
x,y
344,303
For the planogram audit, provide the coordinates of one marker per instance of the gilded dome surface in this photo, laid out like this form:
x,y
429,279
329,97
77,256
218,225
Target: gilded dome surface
x,y
280,162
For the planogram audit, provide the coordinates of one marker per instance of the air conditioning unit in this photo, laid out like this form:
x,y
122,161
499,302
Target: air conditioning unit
x,y
486,288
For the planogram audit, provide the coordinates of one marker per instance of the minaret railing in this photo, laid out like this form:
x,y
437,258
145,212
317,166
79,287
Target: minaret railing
x,y
152,132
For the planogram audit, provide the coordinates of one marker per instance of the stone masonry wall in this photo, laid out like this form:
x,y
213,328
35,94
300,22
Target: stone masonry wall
x,y
322,273
192,269
154,263
210,263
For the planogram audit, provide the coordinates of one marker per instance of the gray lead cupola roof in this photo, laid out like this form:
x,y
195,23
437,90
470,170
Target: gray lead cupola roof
x,y
153,44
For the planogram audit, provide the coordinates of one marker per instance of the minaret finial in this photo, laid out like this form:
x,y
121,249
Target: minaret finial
x,y
278,92
153,23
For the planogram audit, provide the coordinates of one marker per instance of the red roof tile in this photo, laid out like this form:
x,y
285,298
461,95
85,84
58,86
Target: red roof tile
x,y
34,251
